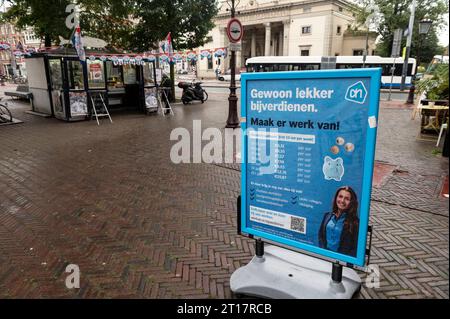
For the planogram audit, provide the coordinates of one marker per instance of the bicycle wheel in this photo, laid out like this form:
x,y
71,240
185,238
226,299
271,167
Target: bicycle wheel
x,y
5,114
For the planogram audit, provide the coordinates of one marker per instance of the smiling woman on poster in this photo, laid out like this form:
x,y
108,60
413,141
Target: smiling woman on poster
x,y
339,229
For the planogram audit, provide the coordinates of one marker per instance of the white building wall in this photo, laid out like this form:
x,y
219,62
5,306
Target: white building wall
x,y
315,39
218,36
357,43
338,39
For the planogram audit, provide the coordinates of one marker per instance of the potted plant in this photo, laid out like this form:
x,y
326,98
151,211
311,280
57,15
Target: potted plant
x,y
436,86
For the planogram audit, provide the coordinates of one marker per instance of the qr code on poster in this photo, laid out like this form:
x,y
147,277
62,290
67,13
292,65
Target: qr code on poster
x,y
298,224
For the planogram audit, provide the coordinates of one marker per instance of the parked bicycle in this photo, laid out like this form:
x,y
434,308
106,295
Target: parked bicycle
x,y
5,113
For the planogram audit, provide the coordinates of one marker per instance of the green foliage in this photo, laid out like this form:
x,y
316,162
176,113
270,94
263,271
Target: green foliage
x,y
436,86
46,16
189,22
436,151
395,15
136,25
107,20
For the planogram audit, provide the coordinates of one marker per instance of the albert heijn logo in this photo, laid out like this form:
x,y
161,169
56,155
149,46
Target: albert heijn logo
x,y
356,93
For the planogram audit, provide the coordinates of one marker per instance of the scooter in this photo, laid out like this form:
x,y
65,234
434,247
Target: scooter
x,y
192,92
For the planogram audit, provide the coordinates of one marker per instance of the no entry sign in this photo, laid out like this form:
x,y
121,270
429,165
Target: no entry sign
x,y
235,30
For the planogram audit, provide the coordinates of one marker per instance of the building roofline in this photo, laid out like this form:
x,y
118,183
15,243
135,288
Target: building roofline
x,y
280,7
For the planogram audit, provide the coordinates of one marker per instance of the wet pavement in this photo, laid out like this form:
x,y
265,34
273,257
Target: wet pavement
x,y
108,199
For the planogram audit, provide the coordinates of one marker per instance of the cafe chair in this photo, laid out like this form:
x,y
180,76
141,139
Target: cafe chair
x,y
419,105
443,127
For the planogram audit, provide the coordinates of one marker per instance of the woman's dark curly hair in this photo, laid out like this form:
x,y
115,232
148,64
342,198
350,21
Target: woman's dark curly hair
x,y
351,221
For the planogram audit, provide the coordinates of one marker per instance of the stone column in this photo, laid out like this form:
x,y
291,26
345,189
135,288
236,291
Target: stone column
x,y
280,44
286,27
274,44
267,42
253,45
238,59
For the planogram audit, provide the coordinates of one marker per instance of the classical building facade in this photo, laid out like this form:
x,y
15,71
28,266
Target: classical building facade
x,y
10,35
286,27
17,40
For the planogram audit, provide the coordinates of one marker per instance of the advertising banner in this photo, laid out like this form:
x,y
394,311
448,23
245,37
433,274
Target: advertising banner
x,y
151,99
308,153
95,72
78,103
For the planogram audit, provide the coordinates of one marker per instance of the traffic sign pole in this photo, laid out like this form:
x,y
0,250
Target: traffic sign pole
x,y
233,26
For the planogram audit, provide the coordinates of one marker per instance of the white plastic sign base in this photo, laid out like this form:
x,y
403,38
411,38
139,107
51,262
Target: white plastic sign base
x,y
285,274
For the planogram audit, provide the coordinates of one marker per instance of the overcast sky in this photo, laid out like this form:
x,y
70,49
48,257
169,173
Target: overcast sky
x,y
443,36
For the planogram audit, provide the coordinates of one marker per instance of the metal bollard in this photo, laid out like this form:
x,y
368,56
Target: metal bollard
x,y
411,94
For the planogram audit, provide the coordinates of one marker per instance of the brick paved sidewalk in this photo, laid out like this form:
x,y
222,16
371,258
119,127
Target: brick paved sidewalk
x,y
108,199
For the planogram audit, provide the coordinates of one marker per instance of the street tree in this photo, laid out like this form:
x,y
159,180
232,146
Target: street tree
x,y
188,21
395,15
108,20
47,17
105,19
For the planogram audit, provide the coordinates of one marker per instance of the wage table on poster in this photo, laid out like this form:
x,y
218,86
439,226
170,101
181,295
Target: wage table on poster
x,y
307,134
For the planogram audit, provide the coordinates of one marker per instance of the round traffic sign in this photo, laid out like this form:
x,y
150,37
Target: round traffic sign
x,y
235,30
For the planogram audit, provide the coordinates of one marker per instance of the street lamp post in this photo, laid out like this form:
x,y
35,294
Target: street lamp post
x,y
424,28
233,120
408,45
373,9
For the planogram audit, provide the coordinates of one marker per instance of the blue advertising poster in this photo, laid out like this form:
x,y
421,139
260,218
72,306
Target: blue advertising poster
x,y
308,153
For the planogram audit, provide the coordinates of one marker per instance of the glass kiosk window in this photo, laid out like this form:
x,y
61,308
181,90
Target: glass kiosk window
x,y
55,74
148,74
76,79
114,75
96,77
56,86
129,74
116,89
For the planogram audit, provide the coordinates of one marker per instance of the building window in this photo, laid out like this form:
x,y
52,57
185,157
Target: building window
x,y
306,9
340,9
210,63
338,30
306,29
358,52
304,52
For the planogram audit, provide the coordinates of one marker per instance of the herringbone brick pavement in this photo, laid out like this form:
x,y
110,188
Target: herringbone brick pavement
x,y
108,199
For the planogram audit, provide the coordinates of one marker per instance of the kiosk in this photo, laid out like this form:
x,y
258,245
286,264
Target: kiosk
x,y
64,87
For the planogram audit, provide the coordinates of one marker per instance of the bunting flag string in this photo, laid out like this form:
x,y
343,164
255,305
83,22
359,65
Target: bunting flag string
x,y
220,52
205,54
134,59
4,46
